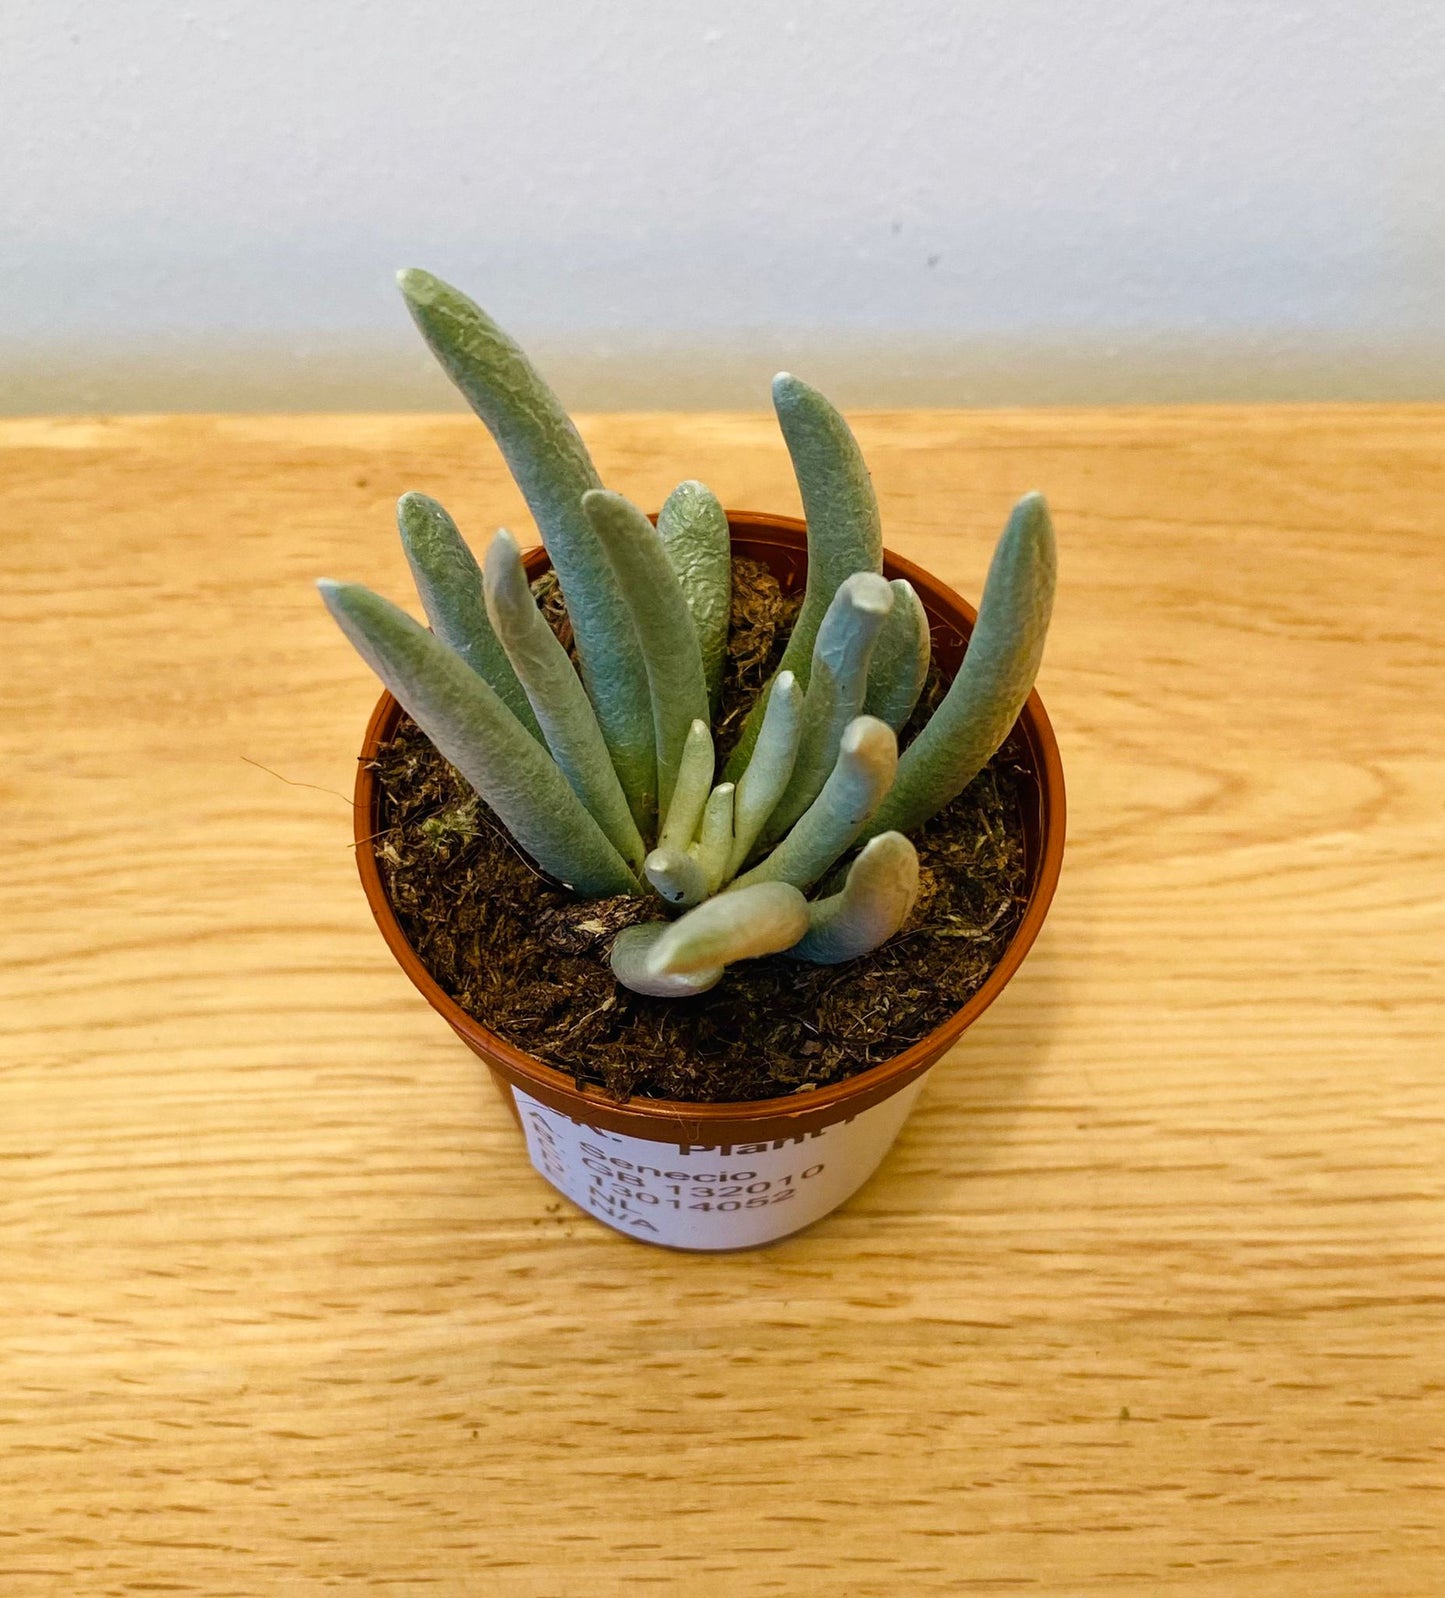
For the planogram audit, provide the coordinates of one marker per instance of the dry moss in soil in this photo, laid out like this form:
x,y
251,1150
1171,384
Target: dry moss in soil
x,y
529,960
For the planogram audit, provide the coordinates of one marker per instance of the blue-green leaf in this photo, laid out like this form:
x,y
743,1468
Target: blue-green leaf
x,y
845,534
693,527
867,760
474,730
662,626
553,469
450,584
555,691
880,889
998,670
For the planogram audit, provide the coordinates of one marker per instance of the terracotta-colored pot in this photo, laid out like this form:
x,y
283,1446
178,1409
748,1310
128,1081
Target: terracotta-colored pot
x,y
723,1176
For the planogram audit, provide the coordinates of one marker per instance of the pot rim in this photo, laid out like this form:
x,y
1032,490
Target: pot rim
x,y
855,1093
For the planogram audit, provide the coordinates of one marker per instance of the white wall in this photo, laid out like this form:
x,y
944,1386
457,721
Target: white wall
x,y
915,200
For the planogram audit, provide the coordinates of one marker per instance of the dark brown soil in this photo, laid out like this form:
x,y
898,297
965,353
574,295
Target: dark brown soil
x,y
529,960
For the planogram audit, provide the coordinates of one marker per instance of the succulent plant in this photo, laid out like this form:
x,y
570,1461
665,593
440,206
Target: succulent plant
x,y
605,773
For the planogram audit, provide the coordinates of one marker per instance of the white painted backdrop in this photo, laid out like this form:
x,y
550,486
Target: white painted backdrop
x,y
917,201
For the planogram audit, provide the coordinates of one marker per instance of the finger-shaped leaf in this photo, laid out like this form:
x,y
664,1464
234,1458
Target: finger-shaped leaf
x,y
766,776
694,530
449,582
867,760
836,688
998,670
632,965
753,921
899,667
690,791
845,534
557,696
715,841
662,626
880,890
677,875
553,469
476,732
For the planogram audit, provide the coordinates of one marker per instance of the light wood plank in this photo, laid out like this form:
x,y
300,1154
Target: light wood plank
x,y
1148,1299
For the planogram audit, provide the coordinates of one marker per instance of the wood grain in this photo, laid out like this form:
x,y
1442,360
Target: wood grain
x,y
1147,1300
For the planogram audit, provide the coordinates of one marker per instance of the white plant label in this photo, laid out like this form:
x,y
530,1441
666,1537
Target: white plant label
x,y
710,1196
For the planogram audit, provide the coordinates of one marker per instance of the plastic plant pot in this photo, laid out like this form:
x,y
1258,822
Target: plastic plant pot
x,y
714,1177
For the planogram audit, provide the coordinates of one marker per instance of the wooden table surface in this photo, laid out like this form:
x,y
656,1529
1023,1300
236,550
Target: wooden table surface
x,y
1148,1299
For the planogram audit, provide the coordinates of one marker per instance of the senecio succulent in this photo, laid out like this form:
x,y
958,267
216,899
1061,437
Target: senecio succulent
x,y
607,778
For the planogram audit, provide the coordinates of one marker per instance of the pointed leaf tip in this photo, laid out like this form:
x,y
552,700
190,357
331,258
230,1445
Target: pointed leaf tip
x,y
1032,512
333,593
417,285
